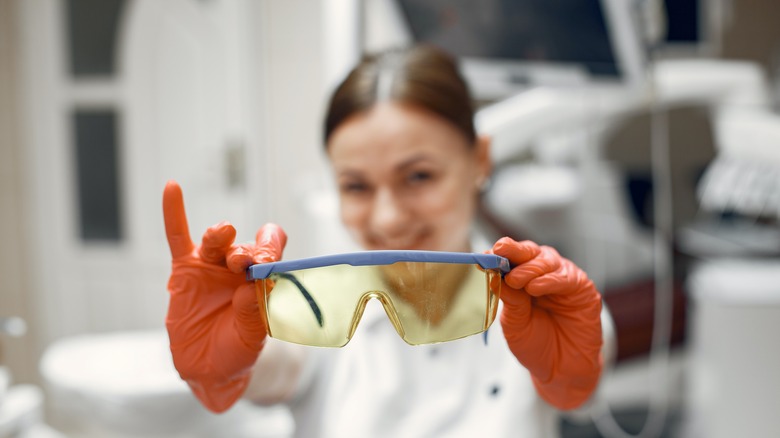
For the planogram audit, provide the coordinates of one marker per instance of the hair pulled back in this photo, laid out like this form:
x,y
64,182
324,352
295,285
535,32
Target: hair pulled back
x,y
419,75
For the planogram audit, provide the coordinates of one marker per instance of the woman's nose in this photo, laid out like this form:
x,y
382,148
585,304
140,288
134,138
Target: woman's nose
x,y
389,215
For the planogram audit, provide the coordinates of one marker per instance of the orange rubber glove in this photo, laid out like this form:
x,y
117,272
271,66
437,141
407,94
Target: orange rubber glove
x,y
214,322
552,321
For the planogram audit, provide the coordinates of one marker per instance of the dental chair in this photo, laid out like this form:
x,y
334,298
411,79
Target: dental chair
x,y
548,149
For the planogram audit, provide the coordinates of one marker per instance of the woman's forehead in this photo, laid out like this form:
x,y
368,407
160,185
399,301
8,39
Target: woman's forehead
x,y
395,133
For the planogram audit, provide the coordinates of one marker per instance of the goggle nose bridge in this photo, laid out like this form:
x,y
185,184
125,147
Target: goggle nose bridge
x,y
387,305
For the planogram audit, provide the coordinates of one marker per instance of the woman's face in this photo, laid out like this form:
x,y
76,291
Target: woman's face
x,y
407,178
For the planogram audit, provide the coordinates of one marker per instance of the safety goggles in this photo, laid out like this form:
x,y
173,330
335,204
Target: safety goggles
x,y
429,296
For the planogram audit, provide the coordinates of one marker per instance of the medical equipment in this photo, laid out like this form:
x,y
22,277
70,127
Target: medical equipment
x,y
735,241
745,176
429,296
561,131
733,383
509,46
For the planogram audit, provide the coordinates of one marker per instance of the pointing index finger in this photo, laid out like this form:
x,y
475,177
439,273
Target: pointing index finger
x,y
176,228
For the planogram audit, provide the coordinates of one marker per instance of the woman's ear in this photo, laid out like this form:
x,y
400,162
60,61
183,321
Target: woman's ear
x,y
483,159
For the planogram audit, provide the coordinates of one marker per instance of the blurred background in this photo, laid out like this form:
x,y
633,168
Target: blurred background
x,y
639,137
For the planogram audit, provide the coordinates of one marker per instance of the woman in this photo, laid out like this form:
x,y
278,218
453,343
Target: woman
x,y
409,169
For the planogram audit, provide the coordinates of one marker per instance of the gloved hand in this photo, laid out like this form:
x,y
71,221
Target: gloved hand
x,y
552,321
214,323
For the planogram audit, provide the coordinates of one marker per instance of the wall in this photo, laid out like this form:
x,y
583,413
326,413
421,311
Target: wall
x,y
753,33
14,290
291,93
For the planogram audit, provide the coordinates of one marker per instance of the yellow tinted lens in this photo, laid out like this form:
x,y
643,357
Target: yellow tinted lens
x,y
426,302
315,306
438,302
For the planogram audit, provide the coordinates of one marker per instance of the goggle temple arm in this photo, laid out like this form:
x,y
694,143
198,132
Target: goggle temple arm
x,y
504,267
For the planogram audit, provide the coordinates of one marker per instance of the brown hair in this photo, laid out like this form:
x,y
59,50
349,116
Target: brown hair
x,y
421,75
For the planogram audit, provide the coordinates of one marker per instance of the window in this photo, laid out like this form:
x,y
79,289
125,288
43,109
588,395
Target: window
x,y
92,40
96,169
92,36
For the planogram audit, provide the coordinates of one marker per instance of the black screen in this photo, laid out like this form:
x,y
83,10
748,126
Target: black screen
x,y
682,21
555,31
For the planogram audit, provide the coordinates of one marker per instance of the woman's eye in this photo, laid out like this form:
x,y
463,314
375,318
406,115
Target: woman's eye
x,y
419,177
354,188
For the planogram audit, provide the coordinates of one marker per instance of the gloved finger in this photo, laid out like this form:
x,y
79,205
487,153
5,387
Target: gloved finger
x,y
216,241
250,323
514,297
240,257
176,228
270,242
545,262
550,284
567,279
517,311
517,308
516,252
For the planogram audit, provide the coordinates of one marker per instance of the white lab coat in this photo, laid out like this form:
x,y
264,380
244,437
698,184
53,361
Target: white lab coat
x,y
379,386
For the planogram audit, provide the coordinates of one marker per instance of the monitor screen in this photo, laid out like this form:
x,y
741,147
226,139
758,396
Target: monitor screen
x,y
530,40
534,30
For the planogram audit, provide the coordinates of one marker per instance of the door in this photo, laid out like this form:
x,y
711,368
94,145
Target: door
x,y
107,122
